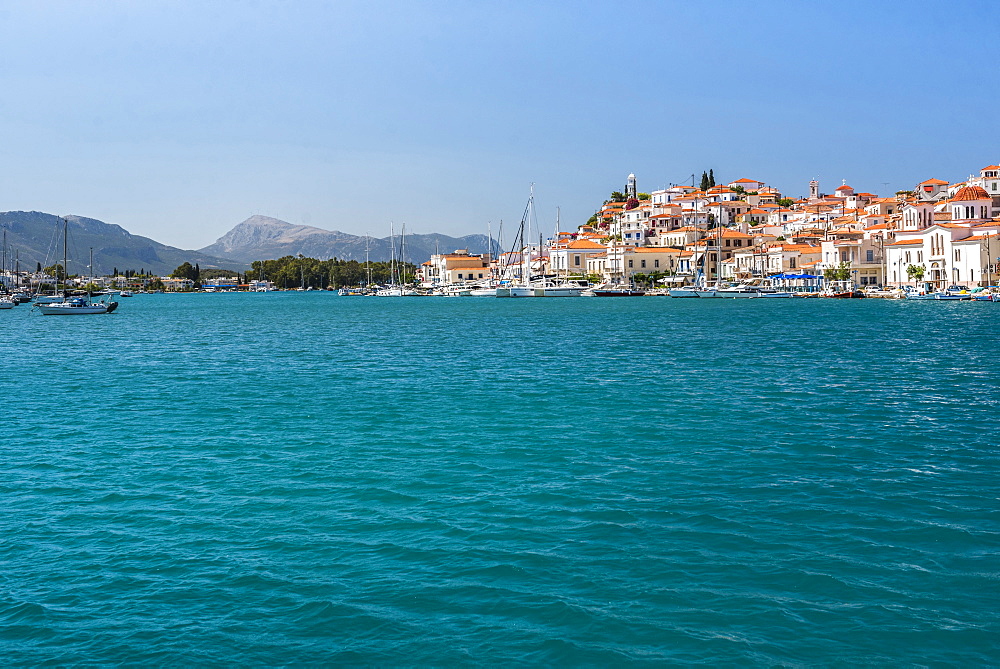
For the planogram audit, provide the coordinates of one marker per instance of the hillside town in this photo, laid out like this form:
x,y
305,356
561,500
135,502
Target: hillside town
x,y
939,235
742,238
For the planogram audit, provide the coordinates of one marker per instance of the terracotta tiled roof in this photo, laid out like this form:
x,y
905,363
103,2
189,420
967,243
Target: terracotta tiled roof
x,y
585,244
933,182
655,249
970,193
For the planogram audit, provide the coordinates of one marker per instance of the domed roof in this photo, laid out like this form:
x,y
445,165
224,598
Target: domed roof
x,y
971,193
631,176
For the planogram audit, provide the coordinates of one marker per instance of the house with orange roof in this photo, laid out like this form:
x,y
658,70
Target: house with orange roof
x,y
931,190
856,248
747,184
648,260
457,267
571,258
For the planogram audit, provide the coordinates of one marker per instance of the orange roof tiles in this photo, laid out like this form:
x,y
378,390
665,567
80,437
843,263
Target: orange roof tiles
x,y
970,193
584,244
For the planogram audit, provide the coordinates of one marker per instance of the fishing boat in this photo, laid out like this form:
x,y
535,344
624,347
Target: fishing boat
x,y
954,293
842,290
77,305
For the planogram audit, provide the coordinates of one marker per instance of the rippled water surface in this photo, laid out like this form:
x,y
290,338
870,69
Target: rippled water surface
x,y
274,479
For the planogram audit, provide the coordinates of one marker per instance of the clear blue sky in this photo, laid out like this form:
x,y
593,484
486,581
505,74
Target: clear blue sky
x,y
178,120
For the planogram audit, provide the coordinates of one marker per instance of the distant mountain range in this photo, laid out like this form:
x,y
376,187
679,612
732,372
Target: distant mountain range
x,y
35,237
262,237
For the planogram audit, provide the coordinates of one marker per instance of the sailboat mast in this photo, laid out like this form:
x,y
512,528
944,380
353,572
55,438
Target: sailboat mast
x,y
65,256
392,254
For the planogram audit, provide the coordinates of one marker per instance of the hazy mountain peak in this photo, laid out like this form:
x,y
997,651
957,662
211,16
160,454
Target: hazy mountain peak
x,y
262,237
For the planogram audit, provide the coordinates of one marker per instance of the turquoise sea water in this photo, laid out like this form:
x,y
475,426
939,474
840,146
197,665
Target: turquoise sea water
x,y
273,479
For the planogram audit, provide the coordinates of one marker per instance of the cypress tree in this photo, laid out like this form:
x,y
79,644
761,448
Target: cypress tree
x,y
711,178
704,181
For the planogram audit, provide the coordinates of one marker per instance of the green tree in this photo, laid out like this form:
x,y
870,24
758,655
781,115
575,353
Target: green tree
x,y
841,272
738,189
786,202
185,271
915,272
643,196
617,196
704,181
711,178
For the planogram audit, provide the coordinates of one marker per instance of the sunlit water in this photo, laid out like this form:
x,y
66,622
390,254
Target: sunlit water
x,y
301,478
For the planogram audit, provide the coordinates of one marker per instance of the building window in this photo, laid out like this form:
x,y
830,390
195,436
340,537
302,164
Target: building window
x,y
958,254
869,256
656,263
907,256
644,264
920,256
576,260
630,263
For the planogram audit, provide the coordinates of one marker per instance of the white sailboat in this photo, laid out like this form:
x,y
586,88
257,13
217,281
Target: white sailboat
x,y
76,305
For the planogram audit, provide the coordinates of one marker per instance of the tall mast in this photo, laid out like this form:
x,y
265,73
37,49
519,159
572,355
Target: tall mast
x,y
65,256
392,255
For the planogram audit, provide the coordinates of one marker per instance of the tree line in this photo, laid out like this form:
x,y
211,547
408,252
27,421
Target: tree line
x,y
294,271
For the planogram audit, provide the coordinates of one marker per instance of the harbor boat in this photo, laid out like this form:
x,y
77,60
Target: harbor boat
x,y
483,291
691,291
549,287
7,302
615,290
842,290
77,305
954,293
126,293
914,293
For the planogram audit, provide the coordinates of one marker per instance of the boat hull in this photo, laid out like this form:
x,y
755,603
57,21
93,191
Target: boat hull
x,y
619,293
72,309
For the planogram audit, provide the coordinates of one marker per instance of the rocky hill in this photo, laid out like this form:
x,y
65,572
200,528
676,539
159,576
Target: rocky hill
x,y
36,237
262,237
